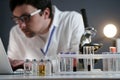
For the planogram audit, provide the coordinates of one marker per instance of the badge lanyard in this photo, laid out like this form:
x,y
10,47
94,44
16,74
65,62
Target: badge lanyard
x,y
45,50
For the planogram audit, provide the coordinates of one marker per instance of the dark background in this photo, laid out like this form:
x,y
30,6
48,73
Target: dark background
x,y
99,13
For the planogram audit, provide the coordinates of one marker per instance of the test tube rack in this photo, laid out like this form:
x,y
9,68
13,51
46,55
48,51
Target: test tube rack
x,y
110,63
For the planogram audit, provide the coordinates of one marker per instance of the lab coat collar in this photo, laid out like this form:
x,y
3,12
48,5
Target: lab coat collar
x,y
56,13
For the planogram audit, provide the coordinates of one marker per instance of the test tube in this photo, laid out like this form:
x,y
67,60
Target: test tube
x,y
62,62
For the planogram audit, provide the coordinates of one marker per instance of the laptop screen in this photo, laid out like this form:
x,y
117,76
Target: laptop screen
x,y
5,67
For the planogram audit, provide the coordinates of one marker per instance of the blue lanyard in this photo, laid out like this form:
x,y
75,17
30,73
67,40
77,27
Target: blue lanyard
x,y
49,41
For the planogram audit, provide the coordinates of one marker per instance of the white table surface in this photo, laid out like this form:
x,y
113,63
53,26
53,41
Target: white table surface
x,y
63,77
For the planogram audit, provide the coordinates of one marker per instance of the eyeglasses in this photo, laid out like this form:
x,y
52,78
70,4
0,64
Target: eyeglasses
x,y
25,18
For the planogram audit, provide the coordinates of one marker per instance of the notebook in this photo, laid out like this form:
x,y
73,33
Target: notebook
x,y
5,67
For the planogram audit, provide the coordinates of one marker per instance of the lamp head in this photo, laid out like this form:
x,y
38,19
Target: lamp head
x,y
110,30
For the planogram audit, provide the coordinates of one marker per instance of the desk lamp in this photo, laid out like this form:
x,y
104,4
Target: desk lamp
x,y
110,31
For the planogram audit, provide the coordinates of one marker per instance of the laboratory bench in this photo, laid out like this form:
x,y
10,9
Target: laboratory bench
x,y
89,76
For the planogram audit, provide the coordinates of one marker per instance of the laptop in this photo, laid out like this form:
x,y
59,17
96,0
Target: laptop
x,y
5,67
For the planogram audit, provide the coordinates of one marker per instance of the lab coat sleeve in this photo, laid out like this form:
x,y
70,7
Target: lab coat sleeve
x,y
78,30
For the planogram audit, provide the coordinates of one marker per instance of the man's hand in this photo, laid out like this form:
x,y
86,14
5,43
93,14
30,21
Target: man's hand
x,y
16,64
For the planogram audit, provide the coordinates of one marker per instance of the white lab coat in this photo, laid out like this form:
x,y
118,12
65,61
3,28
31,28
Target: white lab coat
x,y
68,30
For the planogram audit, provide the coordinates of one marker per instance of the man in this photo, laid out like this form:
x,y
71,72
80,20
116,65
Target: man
x,y
42,31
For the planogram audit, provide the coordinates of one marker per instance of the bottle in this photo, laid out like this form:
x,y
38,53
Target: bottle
x,y
48,67
41,68
34,67
27,67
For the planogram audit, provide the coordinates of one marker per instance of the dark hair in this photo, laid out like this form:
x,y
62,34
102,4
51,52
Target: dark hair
x,y
39,4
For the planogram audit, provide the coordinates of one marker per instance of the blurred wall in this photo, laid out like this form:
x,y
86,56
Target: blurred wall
x,y
5,21
99,13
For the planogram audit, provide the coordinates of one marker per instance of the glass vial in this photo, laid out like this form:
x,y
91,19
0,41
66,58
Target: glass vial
x,y
34,67
48,67
27,67
41,68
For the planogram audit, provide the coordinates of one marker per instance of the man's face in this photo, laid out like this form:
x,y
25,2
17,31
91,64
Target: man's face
x,y
30,25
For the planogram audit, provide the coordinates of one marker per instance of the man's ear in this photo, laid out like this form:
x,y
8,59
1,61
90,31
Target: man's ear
x,y
46,13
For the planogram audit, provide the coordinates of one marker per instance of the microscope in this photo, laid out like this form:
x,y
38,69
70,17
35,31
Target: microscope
x,y
87,46
90,32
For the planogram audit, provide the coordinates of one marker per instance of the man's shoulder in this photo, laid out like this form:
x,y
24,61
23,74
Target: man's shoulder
x,y
74,14
15,27
16,30
66,14
71,14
